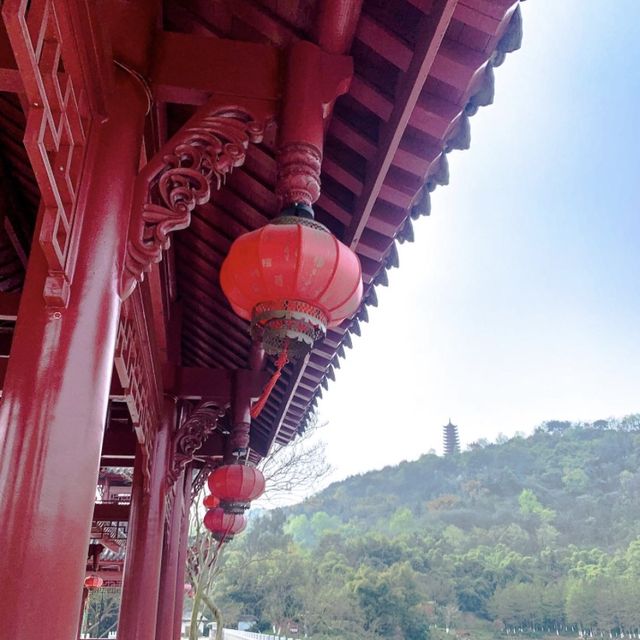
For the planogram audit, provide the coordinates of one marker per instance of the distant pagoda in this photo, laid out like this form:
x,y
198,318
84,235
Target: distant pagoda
x,y
450,439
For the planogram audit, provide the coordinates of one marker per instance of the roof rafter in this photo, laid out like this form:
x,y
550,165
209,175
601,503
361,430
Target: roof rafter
x,y
429,40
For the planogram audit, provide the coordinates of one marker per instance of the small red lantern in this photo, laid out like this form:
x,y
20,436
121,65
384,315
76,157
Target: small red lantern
x,y
224,525
292,279
236,485
93,582
211,502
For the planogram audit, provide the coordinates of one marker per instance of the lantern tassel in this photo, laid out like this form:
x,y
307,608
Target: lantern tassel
x,y
257,408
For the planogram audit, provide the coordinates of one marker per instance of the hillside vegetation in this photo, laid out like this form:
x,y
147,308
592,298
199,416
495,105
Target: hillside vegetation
x,y
537,534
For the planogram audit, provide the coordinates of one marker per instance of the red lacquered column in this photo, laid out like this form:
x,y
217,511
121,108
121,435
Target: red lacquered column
x,y
56,392
182,558
141,579
167,598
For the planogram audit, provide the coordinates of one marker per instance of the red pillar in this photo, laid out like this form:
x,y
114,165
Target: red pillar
x,y
56,392
141,579
170,552
182,557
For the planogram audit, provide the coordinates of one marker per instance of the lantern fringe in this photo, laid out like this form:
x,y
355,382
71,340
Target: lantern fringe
x,y
257,408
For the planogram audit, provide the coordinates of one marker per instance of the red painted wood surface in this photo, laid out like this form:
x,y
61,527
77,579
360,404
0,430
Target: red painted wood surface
x,y
55,398
169,567
66,72
182,563
421,68
141,581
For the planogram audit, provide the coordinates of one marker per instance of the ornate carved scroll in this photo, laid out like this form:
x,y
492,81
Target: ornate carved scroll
x,y
52,41
180,177
191,435
138,376
298,180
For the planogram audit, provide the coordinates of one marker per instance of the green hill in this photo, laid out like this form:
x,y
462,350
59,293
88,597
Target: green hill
x,y
538,534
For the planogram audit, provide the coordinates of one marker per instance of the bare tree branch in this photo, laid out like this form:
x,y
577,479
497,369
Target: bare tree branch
x,y
296,468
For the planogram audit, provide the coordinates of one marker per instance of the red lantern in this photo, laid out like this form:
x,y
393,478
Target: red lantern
x,y
236,485
211,502
224,525
292,279
93,582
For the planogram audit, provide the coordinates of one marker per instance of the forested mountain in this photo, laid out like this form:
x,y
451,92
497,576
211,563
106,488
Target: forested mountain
x,y
537,534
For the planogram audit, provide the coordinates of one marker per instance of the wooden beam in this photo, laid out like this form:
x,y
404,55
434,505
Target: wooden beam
x,y
429,40
14,219
192,383
10,80
188,69
197,383
119,444
108,461
6,339
9,303
110,512
108,576
213,446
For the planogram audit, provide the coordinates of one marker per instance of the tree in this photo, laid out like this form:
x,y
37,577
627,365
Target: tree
x,y
552,604
530,505
575,480
389,600
580,604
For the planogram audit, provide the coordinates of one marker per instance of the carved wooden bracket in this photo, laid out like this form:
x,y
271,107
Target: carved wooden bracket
x,y
191,435
180,177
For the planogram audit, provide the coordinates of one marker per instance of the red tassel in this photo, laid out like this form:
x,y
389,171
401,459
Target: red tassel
x,y
257,408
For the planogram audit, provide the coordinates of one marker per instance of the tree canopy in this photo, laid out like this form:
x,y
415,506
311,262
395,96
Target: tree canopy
x,y
537,533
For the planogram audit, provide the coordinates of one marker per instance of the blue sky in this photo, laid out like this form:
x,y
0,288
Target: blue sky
x,y
520,299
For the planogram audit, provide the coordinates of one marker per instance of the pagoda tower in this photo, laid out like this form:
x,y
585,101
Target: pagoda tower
x,y
450,439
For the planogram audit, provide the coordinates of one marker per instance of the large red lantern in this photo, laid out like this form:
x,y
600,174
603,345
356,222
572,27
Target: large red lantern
x,y
292,279
236,485
224,525
93,582
211,502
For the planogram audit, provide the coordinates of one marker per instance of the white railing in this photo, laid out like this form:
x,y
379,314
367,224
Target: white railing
x,y
234,634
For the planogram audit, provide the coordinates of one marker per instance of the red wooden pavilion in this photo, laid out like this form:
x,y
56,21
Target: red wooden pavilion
x,y
125,373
